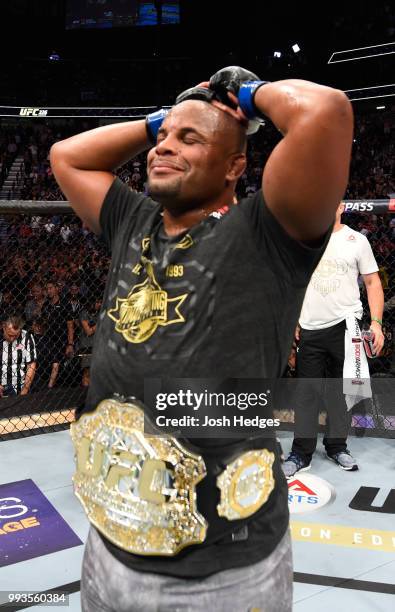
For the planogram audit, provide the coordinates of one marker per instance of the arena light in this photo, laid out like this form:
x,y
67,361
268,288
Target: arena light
x,y
295,48
54,56
277,54
350,55
380,107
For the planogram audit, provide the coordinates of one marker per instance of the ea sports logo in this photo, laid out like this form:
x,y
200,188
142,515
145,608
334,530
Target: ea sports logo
x,y
307,492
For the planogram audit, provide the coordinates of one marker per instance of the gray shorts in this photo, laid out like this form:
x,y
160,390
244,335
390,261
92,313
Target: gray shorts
x,y
107,585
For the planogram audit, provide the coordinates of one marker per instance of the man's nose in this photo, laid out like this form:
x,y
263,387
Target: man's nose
x,y
166,145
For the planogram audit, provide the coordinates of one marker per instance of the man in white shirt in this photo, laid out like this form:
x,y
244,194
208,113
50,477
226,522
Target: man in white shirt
x,y
331,305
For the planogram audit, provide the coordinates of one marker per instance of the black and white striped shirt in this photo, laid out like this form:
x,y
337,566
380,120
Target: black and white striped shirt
x,y
14,359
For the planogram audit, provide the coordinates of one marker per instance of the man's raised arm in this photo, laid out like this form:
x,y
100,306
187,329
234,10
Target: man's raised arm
x,y
83,165
306,174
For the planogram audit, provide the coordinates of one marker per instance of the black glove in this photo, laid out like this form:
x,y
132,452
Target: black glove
x,y
230,79
196,93
226,80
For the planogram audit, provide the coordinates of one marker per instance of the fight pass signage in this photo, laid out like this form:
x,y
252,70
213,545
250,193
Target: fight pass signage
x,y
29,524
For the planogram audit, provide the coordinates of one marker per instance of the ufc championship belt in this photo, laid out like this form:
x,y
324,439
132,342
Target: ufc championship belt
x,y
139,490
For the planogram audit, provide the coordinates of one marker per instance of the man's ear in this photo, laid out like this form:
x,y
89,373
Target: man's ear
x,y
237,165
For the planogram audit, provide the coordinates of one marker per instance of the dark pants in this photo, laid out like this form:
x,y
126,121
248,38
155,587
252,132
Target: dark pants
x,y
109,586
9,390
321,356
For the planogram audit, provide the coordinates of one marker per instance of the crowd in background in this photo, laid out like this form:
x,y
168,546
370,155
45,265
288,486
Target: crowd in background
x,y
371,177
52,276
53,269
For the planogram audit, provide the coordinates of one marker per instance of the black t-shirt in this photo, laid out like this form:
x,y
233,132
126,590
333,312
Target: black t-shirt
x,y
234,286
56,316
85,341
74,308
47,355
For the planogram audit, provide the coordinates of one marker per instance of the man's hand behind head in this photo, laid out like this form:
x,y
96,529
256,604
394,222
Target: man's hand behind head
x,y
230,79
204,93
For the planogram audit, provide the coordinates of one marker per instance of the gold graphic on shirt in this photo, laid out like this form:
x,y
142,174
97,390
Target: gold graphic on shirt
x,y
137,268
325,286
145,243
147,306
326,279
175,270
185,243
331,267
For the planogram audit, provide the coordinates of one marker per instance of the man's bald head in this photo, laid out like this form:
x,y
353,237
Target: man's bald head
x,y
225,128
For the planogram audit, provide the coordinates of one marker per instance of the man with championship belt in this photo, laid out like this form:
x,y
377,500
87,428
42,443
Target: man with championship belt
x,y
173,526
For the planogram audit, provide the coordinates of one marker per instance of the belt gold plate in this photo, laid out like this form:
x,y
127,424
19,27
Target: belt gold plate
x,y
138,490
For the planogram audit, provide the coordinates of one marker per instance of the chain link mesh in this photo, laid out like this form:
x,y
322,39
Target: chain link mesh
x,y
53,272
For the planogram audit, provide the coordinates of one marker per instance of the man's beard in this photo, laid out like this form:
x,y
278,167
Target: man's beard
x,y
164,190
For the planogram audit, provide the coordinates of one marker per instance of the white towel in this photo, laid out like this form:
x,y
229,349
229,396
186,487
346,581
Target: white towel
x,y
356,377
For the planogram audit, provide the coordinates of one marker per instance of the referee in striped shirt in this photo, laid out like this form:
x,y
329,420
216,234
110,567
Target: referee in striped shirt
x,y
17,358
